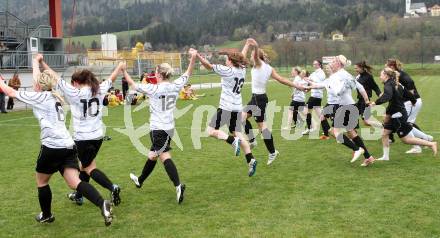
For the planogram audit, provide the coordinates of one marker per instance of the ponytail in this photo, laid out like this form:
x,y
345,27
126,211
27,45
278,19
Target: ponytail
x,y
365,67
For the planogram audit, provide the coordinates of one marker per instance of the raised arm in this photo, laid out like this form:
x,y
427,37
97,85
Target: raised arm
x,y
116,72
10,92
245,49
128,78
204,62
255,53
45,66
192,61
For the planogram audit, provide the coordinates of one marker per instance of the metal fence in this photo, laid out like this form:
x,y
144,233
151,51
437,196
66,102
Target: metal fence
x,y
23,59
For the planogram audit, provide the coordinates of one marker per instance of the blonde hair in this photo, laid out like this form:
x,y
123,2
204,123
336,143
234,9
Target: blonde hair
x,y
305,73
47,82
165,70
392,74
343,60
297,69
394,63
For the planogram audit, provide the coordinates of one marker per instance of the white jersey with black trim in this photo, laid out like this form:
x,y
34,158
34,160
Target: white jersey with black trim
x,y
298,95
50,115
317,77
232,83
163,98
332,84
86,109
347,83
260,77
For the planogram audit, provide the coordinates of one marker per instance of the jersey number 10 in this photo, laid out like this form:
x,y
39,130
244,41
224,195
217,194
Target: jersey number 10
x,y
238,85
87,107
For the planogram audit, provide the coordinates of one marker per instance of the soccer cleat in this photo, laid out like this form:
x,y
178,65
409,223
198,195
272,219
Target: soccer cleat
x,y
39,218
236,144
415,150
252,167
383,158
253,144
272,157
324,137
180,190
357,154
430,138
306,132
135,180
74,198
368,161
106,212
116,199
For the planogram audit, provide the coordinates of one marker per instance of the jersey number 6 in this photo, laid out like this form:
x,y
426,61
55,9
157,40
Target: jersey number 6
x,y
87,107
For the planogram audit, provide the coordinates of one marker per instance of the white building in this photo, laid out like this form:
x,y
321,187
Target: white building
x,y
415,9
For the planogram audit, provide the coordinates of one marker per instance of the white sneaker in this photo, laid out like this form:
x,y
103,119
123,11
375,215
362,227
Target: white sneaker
x,y
272,157
357,154
306,132
135,180
180,190
383,159
253,144
415,150
430,138
236,145
312,130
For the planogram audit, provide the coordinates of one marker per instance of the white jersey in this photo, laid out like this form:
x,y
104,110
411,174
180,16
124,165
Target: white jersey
x,y
232,82
347,84
298,95
317,77
260,77
50,115
331,85
163,98
86,109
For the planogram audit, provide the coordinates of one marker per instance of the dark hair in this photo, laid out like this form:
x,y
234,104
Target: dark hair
x,y
86,77
319,62
364,66
394,64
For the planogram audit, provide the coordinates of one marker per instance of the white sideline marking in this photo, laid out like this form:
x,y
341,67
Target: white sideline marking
x,y
16,119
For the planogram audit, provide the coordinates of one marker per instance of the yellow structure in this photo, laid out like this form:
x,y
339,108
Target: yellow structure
x,y
337,37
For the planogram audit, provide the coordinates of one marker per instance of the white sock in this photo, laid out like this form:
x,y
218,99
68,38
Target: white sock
x,y
419,134
386,153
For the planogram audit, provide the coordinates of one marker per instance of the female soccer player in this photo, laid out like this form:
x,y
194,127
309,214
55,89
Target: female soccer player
x,y
229,112
163,97
315,99
261,73
412,110
365,77
297,106
342,83
58,150
397,121
85,96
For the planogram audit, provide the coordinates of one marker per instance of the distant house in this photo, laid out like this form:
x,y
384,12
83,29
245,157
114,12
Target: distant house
x,y
435,10
415,9
299,36
337,36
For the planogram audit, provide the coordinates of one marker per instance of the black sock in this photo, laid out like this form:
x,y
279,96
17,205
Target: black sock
x,y
325,127
295,116
309,120
230,140
248,131
90,193
101,179
359,142
148,168
172,171
391,136
349,143
249,157
45,199
416,126
85,178
268,140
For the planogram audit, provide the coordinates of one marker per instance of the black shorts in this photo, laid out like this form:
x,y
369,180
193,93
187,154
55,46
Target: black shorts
x,y
343,116
314,102
160,141
364,110
52,160
399,125
295,105
329,111
87,151
223,117
257,107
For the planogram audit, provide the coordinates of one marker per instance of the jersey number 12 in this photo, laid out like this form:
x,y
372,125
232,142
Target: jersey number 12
x,y
238,85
